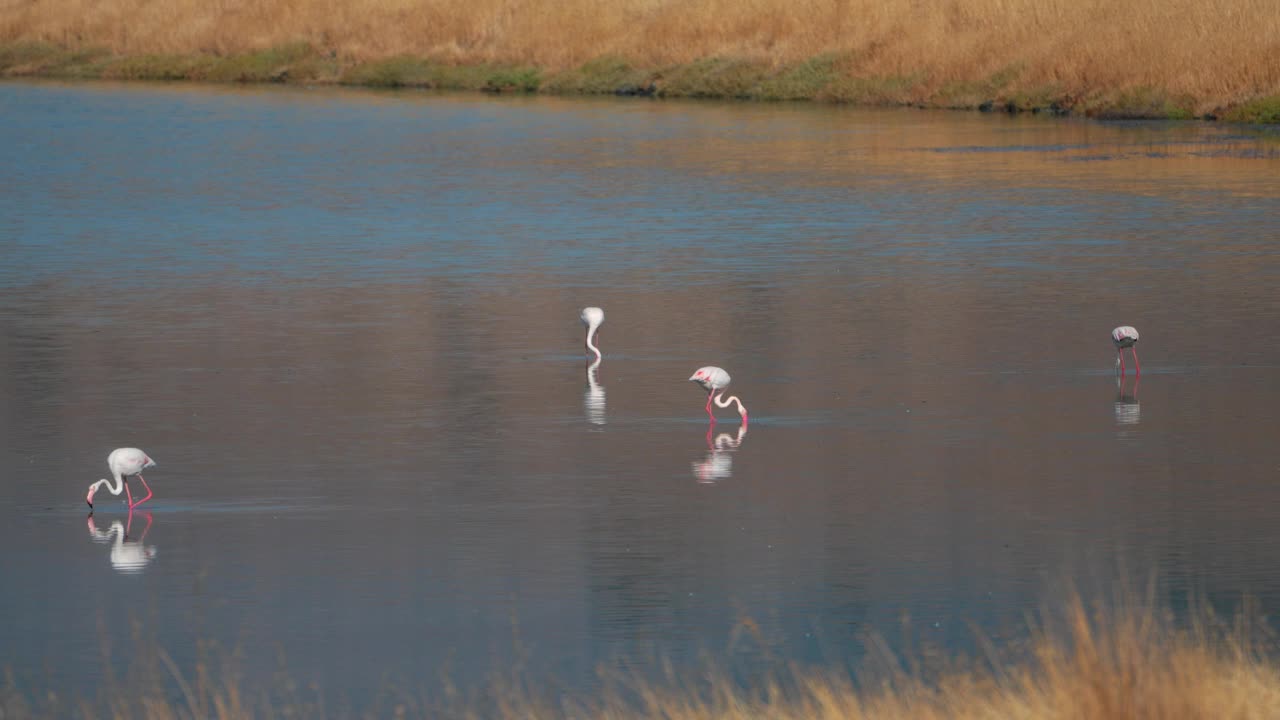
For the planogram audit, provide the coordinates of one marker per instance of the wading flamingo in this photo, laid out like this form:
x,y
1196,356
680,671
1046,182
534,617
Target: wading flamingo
x,y
593,318
713,380
1126,337
123,463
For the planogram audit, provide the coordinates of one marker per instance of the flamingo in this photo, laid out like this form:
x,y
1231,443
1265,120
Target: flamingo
x,y
123,463
593,318
1126,336
713,380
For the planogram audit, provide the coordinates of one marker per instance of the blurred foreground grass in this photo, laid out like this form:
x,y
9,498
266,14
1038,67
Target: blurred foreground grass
x,y
1125,658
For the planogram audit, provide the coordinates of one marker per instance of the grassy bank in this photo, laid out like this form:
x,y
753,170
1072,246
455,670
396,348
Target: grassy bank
x,y
1077,663
1145,58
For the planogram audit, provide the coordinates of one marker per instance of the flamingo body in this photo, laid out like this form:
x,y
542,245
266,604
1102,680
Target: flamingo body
x,y
123,463
593,318
1126,336
711,378
714,380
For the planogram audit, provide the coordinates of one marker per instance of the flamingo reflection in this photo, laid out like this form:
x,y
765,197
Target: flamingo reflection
x,y
127,554
593,398
1127,408
718,464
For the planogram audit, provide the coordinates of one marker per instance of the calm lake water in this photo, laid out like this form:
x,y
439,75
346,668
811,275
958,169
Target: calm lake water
x,y
345,324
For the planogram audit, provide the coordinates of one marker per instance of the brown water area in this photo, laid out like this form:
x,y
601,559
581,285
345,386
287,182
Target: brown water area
x,y
346,327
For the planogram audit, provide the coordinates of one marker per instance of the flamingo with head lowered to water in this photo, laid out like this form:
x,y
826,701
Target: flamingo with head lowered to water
x,y
1123,337
593,318
714,380
123,463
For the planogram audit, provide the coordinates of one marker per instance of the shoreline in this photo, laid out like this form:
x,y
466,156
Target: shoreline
x,y
821,79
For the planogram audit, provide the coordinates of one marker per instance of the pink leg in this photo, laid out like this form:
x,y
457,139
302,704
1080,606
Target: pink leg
x,y
709,413
1137,369
128,494
133,504
1121,354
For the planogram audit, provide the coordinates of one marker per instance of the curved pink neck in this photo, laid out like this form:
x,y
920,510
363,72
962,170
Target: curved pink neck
x,y
721,401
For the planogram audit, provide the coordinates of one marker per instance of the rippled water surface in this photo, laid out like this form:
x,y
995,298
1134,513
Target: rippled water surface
x,y
346,327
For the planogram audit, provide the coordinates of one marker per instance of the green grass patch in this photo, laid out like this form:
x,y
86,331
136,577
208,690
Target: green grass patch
x,y
1264,110
158,67
269,65
15,57
1144,103
890,90
1037,99
394,72
416,72
726,78
296,62
288,63
805,81
601,76
48,60
829,77
977,93
520,79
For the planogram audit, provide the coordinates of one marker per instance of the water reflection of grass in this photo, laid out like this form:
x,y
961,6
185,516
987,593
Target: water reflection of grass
x,y
1147,58
1078,661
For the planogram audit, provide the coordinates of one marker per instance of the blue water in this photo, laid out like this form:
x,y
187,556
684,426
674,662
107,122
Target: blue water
x,y
345,325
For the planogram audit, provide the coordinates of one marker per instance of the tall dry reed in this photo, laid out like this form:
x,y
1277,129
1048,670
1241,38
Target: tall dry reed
x,y
1210,53
1122,661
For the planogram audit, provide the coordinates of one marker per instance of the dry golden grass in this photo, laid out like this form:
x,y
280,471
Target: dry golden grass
x,y
1197,55
1130,664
